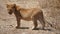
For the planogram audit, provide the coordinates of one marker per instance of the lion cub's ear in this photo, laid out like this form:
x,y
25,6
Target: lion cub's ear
x,y
10,5
14,5
7,5
18,8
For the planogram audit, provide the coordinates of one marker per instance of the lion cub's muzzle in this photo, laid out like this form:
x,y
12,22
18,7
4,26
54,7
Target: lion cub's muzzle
x,y
10,12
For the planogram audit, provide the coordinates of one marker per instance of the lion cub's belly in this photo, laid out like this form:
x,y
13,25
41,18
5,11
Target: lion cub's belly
x,y
27,19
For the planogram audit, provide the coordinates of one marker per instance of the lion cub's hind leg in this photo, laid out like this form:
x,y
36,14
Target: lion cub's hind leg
x,y
41,19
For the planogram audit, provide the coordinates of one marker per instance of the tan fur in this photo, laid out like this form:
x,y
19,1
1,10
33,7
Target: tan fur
x,y
33,14
9,6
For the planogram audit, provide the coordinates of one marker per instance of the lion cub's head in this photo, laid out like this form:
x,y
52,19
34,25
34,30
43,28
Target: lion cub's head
x,y
10,8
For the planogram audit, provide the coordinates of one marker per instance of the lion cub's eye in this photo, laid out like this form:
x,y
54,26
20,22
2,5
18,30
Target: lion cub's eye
x,y
7,6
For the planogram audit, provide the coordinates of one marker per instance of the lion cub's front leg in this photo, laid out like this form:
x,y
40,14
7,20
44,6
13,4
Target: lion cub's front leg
x,y
18,22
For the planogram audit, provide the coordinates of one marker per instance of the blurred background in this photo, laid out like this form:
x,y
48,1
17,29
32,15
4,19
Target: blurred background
x,y
51,11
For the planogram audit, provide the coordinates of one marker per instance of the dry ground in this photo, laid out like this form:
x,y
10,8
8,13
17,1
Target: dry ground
x,y
8,24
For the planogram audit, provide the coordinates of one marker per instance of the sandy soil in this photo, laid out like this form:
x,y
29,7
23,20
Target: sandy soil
x,y
8,24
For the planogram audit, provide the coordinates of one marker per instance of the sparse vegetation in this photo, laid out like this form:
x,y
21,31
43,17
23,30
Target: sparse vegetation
x,y
51,10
